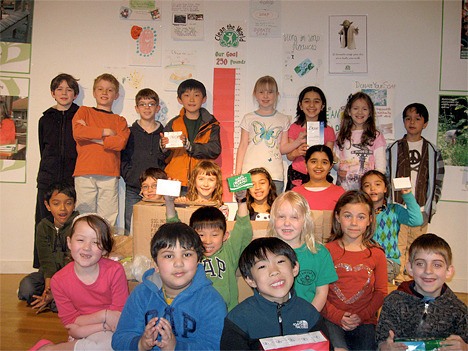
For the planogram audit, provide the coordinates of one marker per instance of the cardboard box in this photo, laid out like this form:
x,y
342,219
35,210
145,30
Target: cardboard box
x,y
323,221
310,341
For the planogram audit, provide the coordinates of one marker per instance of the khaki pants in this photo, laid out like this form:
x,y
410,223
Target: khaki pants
x,y
405,238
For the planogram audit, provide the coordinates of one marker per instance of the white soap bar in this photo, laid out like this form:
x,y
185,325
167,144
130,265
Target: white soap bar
x,y
401,183
168,187
174,139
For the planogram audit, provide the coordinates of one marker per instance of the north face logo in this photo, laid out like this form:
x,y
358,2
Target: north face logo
x,y
301,324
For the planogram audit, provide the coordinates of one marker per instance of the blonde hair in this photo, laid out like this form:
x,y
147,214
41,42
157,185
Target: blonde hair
x,y
265,81
108,78
211,169
301,207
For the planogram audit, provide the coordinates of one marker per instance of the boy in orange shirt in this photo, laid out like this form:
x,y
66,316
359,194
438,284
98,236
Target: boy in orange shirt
x,y
100,136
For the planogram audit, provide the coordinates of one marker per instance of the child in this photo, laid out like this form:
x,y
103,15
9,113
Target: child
x,y
51,242
142,150
261,196
291,222
425,307
100,136
311,107
359,146
389,217
186,313
149,183
90,291
269,266
56,144
426,170
357,295
200,132
319,192
221,249
263,137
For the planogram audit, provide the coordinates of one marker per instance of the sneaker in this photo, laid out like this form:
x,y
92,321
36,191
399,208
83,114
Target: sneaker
x,y
40,343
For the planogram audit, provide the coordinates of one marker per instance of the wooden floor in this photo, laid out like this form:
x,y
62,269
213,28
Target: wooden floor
x,y
21,328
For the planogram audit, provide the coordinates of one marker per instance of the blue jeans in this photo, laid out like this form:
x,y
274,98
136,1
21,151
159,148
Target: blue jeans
x,y
132,196
279,186
33,284
361,338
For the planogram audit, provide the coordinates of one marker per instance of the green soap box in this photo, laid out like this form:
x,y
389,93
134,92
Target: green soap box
x,y
421,344
240,182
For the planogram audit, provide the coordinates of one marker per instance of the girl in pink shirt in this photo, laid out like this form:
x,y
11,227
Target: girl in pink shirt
x,y
91,291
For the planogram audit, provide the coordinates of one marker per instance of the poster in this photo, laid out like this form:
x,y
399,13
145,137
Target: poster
x,y
14,93
302,55
348,44
145,46
265,19
453,58
188,20
179,65
15,34
452,142
145,10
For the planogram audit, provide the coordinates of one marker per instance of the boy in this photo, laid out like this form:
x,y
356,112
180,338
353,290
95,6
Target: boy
x,y
200,132
425,307
186,313
51,245
56,144
269,266
415,157
100,136
149,182
221,249
142,150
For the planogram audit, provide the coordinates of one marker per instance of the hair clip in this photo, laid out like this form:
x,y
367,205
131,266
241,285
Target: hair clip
x,y
91,214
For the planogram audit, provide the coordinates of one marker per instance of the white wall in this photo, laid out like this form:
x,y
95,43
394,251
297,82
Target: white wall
x,y
85,38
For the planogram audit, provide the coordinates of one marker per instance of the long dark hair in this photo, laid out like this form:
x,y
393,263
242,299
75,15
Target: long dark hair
x,y
300,115
370,130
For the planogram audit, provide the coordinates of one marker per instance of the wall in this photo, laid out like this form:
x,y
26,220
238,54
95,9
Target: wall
x,y
85,39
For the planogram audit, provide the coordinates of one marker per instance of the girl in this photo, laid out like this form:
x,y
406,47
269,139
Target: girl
x,y
389,217
319,192
357,295
263,140
291,222
206,185
91,291
359,146
261,196
311,107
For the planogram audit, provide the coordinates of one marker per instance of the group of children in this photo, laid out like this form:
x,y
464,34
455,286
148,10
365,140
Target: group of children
x,y
297,281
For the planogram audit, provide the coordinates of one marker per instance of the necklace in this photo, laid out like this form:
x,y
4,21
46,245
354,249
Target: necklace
x,y
168,296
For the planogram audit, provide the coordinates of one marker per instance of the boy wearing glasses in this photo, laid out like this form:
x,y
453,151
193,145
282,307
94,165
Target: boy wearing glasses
x,y
142,150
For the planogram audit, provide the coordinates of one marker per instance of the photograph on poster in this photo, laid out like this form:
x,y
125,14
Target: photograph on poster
x,y
464,31
452,135
348,44
13,132
144,10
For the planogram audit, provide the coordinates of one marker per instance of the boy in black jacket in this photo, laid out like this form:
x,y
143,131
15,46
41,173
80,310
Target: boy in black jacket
x,y
269,266
56,144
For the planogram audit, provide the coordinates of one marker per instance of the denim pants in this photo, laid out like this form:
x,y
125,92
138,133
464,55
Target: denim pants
x,y
359,339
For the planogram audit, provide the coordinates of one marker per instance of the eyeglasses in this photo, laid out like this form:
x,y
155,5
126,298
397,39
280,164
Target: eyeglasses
x,y
148,187
143,104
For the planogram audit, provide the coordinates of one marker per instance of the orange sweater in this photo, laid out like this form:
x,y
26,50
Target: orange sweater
x,y
94,158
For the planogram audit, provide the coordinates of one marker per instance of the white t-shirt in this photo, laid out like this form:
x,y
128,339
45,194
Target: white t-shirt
x,y
264,142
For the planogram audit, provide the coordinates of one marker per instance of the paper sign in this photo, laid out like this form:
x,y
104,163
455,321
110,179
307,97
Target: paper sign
x,y
315,132
401,183
168,187
174,139
240,182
